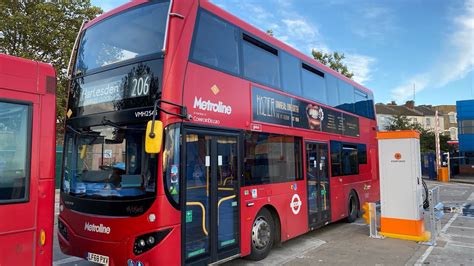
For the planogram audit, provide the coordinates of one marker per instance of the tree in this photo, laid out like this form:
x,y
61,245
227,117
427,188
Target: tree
x,y
44,31
333,60
427,138
270,32
399,122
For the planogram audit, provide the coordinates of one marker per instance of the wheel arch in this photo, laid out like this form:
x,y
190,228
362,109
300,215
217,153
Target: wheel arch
x,y
277,220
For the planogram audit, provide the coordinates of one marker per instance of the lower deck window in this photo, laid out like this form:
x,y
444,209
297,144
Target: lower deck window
x,y
346,157
14,152
271,158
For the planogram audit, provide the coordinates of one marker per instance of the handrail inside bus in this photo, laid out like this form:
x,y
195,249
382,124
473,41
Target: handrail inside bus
x,y
195,203
219,204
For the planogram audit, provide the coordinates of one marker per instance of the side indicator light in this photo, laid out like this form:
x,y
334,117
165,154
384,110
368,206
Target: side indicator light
x,y
42,237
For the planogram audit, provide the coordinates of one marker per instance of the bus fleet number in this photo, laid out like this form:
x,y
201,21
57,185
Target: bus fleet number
x,y
140,86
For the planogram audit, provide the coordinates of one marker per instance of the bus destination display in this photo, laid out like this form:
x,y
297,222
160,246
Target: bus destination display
x,y
275,108
114,89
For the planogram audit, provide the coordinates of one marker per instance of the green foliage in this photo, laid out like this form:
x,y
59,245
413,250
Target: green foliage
x,y
427,138
333,60
270,32
44,31
399,122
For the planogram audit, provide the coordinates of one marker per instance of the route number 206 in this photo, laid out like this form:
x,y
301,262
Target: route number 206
x,y
140,86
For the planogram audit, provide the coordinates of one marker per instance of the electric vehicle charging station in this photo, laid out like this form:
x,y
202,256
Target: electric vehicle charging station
x,y
401,188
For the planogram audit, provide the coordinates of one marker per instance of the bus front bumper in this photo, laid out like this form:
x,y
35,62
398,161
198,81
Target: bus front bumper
x,y
166,252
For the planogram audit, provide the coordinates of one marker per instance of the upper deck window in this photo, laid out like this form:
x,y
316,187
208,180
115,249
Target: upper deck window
x,y
314,85
290,73
133,33
346,96
362,103
261,62
216,44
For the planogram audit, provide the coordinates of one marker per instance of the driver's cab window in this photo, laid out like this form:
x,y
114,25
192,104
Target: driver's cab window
x,y
108,161
14,151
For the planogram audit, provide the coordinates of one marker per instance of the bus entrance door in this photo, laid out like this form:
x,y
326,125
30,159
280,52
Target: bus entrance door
x,y
318,184
211,211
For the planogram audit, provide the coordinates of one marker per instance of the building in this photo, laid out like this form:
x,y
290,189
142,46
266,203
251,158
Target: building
x,y
450,119
465,117
424,115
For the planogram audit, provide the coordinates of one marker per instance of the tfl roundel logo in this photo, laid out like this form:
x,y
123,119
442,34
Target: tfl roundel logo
x,y
398,156
295,204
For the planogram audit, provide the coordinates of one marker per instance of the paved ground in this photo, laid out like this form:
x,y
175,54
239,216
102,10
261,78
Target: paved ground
x,y
343,243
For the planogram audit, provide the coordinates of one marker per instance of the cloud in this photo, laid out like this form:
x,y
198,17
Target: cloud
x,y
405,91
108,5
361,66
298,31
258,12
454,63
372,22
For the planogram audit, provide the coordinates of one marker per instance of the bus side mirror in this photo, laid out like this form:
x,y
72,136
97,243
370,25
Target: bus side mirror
x,y
153,136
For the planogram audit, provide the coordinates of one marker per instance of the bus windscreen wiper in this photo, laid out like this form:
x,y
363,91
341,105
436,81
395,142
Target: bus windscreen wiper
x,y
107,122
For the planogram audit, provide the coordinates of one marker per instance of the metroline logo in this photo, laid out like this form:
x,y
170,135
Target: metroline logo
x,y
97,228
219,107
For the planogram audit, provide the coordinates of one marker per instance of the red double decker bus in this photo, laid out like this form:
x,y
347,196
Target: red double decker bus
x,y
260,142
27,161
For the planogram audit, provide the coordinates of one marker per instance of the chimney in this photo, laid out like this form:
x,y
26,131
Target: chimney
x,y
392,103
410,104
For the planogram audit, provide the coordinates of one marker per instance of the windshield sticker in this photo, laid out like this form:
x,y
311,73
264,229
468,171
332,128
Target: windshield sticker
x,y
189,216
254,193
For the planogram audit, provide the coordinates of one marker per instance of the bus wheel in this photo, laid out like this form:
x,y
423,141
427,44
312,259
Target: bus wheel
x,y
353,208
263,235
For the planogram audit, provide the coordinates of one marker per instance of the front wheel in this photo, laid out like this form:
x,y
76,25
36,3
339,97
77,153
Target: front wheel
x,y
263,235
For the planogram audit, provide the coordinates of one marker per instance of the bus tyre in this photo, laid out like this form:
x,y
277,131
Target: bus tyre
x,y
263,235
353,207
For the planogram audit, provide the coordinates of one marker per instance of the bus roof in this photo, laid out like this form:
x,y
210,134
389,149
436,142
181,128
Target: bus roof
x,y
244,25
22,74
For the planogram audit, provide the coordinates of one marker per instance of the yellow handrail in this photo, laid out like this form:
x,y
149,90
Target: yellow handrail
x,y
219,204
195,203
227,178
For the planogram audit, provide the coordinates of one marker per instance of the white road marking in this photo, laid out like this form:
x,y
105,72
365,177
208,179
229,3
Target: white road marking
x,y
428,251
466,217
448,224
463,246
462,227
425,255
471,197
463,236
66,260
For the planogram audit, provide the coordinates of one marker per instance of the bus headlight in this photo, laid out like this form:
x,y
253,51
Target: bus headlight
x,y
146,242
63,230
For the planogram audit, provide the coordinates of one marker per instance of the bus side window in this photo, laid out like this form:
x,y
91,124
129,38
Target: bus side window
x,y
14,152
216,44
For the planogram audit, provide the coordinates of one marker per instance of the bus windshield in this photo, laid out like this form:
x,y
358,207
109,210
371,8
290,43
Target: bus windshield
x,y
137,32
108,162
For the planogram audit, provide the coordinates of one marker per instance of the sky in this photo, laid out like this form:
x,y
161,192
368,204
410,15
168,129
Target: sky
x,y
394,47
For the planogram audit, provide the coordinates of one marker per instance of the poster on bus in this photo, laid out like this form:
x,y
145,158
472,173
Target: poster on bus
x,y
275,108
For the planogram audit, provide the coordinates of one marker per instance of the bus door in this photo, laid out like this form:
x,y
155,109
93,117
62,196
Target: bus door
x,y
210,215
17,200
317,177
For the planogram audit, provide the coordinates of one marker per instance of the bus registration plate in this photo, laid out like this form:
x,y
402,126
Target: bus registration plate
x,y
104,260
